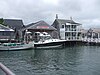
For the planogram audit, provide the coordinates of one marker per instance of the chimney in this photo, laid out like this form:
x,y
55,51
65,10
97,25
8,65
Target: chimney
x,y
56,16
71,18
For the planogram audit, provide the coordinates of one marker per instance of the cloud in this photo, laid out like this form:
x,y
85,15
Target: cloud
x,y
82,11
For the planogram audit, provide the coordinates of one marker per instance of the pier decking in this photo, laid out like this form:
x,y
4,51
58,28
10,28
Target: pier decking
x,y
91,41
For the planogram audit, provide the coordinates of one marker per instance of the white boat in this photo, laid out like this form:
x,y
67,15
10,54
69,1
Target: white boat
x,y
46,41
16,46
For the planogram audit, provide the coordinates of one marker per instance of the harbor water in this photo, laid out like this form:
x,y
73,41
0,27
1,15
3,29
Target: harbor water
x,y
78,60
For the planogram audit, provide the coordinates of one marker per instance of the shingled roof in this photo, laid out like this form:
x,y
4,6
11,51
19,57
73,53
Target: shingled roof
x,y
63,21
13,23
40,25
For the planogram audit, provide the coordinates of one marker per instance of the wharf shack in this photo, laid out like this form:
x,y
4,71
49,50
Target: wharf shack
x,y
10,30
41,26
68,30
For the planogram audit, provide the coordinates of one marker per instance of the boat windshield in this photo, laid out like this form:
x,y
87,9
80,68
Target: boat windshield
x,y
42,36
45,37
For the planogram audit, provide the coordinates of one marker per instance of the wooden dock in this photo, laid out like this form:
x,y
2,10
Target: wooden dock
x,y
91,42
85,42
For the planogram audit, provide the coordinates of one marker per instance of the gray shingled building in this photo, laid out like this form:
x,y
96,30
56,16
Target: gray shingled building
x,y
41,26
67,29
16,25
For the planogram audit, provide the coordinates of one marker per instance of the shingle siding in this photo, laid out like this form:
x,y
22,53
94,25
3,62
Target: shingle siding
x,y
59,22
57,26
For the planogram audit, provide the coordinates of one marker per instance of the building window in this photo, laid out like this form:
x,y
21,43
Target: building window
x,y
62,25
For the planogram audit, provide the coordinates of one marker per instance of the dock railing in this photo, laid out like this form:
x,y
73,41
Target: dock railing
x,y
6,70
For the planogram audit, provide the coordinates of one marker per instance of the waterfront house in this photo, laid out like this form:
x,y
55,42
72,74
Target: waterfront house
x,y
16,25
41,26
68,29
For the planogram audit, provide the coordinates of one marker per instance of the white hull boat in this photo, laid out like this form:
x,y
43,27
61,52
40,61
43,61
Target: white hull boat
x,y
46,41
51,43
16,46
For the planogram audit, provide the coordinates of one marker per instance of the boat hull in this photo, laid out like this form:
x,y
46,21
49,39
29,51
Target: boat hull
x,y
49,44
19,47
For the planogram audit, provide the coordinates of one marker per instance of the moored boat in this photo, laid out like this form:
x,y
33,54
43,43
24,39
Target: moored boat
x,y
16,46
46,41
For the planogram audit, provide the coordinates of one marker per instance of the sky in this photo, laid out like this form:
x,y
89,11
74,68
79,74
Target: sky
x,y
86,12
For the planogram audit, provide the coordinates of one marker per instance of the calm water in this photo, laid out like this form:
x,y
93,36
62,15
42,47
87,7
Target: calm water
x,y
82,60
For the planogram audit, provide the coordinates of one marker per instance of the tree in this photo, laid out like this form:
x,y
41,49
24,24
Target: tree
x,y
2,21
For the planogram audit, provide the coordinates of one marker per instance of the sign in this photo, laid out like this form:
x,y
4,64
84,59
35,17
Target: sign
x,y
42,27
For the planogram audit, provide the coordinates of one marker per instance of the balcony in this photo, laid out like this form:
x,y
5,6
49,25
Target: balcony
x,y
72,30
73,38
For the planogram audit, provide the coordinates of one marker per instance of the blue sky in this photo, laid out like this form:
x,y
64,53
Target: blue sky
x,y
86,12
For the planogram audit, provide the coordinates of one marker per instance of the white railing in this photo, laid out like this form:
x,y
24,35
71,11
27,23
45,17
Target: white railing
x,y
77,39
91,39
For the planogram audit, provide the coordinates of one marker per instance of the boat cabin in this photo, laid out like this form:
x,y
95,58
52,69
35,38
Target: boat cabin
x,y
42,36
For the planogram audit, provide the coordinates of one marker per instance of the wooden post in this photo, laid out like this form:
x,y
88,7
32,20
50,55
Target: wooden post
x,y
98,37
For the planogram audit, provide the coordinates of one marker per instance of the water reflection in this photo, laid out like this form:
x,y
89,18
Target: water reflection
x,y
62,59
79,60
17,61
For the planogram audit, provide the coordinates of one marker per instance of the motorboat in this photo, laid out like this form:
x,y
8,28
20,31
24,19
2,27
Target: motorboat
x,y
16,46
44,40
23,45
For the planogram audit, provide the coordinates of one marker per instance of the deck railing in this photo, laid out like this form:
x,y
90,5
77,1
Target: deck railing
x,y
91,39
